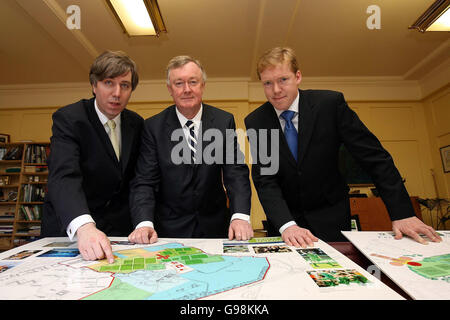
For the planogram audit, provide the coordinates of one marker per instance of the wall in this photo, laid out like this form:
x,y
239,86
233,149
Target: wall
x,y
411,128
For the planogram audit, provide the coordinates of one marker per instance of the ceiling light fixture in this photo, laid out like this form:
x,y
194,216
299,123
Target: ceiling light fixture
x,y
138,17
435,18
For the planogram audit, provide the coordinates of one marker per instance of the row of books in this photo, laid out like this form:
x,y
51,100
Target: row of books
x,y
6,228
36,153
33,192
11,153
29,230
31,213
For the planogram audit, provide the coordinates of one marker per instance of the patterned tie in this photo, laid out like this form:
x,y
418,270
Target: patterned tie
x,y
113,137
290,132
192,141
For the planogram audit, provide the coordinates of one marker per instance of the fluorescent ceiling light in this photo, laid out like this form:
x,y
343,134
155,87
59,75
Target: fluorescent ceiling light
x,y
435,18
442,23
138,17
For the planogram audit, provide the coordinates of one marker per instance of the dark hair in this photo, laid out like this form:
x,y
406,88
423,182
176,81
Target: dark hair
x,y
111,64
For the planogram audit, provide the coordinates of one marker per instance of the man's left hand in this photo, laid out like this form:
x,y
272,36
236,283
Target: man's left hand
x,y
240,229
412,227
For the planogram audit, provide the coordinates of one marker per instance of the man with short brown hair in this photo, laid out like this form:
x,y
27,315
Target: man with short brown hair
x,y
307,197
93,152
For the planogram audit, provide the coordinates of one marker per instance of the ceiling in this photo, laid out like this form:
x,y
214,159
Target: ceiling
x,y
330,37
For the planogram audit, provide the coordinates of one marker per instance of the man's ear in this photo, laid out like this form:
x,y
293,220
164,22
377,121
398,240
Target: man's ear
x,y
298,77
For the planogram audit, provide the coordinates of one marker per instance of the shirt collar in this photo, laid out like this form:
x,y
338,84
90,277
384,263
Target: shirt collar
x,y
292,107
104,119
197,119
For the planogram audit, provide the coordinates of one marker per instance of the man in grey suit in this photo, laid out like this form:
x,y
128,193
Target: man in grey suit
x,y
180,189
93,152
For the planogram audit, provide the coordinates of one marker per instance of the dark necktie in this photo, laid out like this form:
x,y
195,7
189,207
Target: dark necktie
x,y
290,132
192,141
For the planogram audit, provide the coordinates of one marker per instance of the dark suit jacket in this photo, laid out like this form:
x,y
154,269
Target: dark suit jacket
x,y
84,173
187,200
312,191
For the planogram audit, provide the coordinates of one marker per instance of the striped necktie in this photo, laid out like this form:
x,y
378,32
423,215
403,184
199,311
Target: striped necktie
x,y
192,141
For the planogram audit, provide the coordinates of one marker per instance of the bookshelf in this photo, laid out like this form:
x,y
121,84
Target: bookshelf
x,y
23,184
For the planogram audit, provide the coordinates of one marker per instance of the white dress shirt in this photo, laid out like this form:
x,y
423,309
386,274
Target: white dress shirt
x,y
293,107
79,221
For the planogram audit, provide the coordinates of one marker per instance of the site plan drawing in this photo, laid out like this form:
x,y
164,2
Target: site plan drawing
x,y
422,271
186,269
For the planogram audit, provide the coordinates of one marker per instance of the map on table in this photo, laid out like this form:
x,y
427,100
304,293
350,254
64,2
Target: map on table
x,y
423,271
186,269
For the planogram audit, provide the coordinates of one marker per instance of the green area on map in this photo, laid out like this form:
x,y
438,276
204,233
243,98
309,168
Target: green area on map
x,y
433,267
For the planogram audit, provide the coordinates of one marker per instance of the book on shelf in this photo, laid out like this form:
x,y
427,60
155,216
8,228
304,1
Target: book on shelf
x,y
6,228
33,192
7,216
29,230
31,213
35,169
36,153
11,153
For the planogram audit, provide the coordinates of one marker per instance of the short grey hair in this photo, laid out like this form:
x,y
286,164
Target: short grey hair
x,y
179,61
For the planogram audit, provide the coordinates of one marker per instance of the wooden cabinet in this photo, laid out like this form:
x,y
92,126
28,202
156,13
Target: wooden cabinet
x,y
373,215
23,184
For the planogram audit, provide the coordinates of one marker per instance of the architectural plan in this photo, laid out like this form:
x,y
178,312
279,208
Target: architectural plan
x,y
422,271
186,269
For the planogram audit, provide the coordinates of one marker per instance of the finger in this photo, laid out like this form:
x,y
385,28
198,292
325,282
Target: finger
x,y
416,237
145,236
309,241
230,233
294,241
248,233
397,234
85,254
89,253
301,241
154,237
106,246
312,239
131,237
286,240
432,234
98,251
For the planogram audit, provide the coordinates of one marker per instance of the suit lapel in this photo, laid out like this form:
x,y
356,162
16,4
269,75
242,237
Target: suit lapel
x,y
172,124
100,130
306,122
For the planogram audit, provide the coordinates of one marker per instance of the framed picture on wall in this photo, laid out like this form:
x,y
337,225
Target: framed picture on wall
x,y
445,156
4,138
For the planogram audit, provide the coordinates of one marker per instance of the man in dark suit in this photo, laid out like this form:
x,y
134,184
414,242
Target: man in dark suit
x,y
93,152
179,190
307,197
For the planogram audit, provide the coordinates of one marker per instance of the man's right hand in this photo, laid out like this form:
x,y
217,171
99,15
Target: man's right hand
x,y
298,237
145,235
93,244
